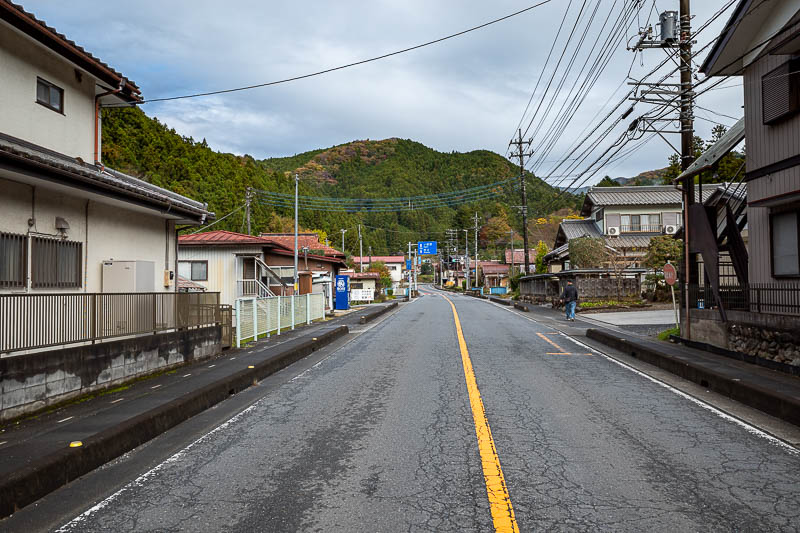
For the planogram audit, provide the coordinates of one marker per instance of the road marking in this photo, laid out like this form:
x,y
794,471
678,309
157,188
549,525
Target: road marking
x,y
1,443
117,400
186,375
559,348
155,386
211,366
65,419
558,353
496,489
750,428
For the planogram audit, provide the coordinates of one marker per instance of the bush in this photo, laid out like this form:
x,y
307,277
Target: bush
x,y
389,292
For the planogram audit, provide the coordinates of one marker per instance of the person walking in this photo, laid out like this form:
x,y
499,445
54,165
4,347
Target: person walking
x,y
570,299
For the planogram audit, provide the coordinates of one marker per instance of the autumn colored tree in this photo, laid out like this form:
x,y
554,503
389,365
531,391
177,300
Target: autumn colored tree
x,y
587,252
541,251
385,279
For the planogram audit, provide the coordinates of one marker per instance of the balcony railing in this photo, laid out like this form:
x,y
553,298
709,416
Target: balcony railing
x,y
642,228
29,321
771,298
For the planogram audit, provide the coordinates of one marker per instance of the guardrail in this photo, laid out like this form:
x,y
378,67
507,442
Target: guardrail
x,y
32,321
259,317
642,228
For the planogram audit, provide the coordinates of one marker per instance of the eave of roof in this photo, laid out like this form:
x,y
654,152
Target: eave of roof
x,y
38,30
41,163
717,151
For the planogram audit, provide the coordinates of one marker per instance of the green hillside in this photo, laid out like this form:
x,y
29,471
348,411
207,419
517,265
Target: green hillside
x,y
144,147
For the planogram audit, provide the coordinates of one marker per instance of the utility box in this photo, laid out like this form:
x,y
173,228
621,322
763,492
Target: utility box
x,y
129,276
670,33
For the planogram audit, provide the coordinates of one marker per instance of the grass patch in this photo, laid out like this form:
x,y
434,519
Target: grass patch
x,y
664,335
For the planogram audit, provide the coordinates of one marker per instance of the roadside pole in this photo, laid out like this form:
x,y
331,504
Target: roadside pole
x,y
360,250
670,277
466,257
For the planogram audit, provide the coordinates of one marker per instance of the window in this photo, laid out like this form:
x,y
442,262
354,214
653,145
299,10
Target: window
x,y
784,242
55,263
13,260
49,95
356,285
780,92
193,270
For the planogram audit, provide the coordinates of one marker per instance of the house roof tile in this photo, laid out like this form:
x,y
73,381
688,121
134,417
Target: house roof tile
x,y
495,268
632,195
519,256
574,229
382,258
74,172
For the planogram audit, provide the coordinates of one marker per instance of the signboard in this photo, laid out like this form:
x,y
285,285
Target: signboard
x,y
408,264
342,293
670,274
362,295
427,248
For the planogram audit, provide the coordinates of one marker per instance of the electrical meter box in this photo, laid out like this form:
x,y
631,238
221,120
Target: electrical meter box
x,y
129,276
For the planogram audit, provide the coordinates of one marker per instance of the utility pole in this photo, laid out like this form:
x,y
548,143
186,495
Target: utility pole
x,y
410,260
522,154
343,232
247,198
296,186
466,256
512,252
687,142
360,249
476,248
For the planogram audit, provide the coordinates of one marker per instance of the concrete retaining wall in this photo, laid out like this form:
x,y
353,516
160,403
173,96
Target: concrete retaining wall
x,y
34,381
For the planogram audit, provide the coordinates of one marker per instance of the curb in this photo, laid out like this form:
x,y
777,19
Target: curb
x,y
369,318
500,301
521,307
46,474
776,404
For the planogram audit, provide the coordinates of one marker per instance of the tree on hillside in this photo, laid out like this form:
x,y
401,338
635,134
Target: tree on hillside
x,y
607,182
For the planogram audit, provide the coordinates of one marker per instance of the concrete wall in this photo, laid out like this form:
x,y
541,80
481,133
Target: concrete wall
x,y
112,232
21,61
31,382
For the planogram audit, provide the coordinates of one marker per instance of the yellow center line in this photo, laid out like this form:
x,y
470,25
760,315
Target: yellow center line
x,y
496,489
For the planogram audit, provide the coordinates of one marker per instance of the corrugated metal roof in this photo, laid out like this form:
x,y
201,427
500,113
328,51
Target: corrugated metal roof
x,y
495,269
382,258
574,229
629,241
717,151
643,196
519,256
222,237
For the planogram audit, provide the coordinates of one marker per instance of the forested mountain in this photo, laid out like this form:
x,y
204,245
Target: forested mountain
x,y
144,147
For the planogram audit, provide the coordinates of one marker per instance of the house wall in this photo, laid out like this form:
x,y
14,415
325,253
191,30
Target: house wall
x,y
21,61
112,232
223,268
766,145
638,210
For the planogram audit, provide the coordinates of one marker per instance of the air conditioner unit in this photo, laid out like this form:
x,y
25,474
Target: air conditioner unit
x,y
613,230
670,230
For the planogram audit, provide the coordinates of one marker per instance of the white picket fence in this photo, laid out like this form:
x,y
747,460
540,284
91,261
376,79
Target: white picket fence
x,y
257,317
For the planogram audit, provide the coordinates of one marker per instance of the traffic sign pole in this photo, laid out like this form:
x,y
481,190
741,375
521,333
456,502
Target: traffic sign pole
x,y
670,277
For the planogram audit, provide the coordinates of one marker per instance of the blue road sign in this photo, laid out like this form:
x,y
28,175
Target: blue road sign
x,y
342,292
427,248
408,264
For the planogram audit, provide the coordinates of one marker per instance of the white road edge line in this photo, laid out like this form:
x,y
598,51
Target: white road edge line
x,y
65,419
722,414
139,481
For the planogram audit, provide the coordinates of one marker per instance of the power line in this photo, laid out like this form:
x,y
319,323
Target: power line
x,y
341,67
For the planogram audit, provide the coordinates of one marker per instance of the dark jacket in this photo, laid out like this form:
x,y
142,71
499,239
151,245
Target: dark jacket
x,y
570,294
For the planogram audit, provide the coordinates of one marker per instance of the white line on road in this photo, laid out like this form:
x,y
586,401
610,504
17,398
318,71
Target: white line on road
x,y
65,419
186,375
117,400
211,366
155,386
1,443
722,414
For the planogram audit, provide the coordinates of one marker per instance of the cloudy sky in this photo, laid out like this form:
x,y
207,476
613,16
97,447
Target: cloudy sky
x,y
463,94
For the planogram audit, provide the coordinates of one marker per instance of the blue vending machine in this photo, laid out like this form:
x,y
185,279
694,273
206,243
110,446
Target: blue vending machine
x,y
342,293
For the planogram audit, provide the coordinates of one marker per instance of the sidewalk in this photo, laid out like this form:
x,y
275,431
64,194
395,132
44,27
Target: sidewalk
x,y
770,391
35,454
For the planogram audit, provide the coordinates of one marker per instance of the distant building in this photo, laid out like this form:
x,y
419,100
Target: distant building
x,y
395,263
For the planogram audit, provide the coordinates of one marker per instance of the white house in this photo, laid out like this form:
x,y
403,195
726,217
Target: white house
x,y
65,219
395,263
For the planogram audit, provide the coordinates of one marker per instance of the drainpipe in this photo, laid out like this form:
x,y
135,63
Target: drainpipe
x,y
122,82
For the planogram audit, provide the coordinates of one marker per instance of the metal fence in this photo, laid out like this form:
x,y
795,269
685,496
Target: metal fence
x,y
775,298
29,321
257,317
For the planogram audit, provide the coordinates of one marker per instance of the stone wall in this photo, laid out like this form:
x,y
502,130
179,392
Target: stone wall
x,y
33,381
772,344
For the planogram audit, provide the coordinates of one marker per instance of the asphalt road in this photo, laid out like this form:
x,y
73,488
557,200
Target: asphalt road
x,y
381,436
